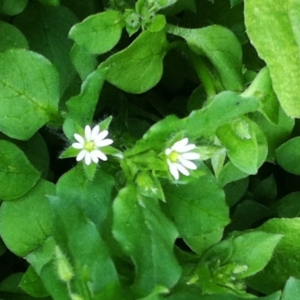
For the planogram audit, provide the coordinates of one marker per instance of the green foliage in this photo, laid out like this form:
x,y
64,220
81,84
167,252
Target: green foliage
x,y
149,150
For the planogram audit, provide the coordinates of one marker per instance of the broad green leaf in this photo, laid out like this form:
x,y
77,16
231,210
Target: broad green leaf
x,y
29,93
49,37
147,236
221,47
245,144
235,190
33,220
138,67
31,284
285,260
81,107
80,240
11,37
12,7
230,173
17,175
84,62
98,33
50,2
94,197
200,215
288,154
276,134
278,45
11,283
289,206
291,289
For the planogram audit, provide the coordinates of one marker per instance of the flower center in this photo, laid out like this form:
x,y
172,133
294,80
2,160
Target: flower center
x,y
174,156
89,146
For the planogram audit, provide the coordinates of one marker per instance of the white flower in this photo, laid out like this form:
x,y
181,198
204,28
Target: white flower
x,y
179,158
89,144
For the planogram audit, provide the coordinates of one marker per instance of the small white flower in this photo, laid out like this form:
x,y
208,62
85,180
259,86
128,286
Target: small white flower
x,y
179,158
89,144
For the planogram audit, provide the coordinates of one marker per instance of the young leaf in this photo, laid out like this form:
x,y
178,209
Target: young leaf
x,y
138,67
221,47
148,237
291,289
34,220
12,7
209,214
17,175
29,93
98,33
278,45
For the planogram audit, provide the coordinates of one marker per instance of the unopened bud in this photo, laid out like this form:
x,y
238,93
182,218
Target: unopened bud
x,y
64,268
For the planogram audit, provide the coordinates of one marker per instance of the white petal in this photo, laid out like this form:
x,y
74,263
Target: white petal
x,y
94,156
81,155
104,143
188,164
190,156
88,132
77,145
180,144
187,148
102,135
79,138
168,151
99,154
88,158
173,169
182,169
95,132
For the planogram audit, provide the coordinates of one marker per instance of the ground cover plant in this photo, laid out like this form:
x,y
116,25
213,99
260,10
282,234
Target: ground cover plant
x,y
149,149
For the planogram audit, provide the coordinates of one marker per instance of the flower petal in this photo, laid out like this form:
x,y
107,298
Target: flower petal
x,y
88,158
77,145
88,132
173,169
81,155
179,145
188,164
104,143
79,138
102,135
99,154
94,156
190,156
187,148
182,169
168,151
95,132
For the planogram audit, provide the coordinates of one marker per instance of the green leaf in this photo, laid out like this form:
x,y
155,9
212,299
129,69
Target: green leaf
x,y
235,2
200,215
17,175
242,145
148,237
139,67
291,288
94,197
11,283
81,107
12,7
11,37
285,261
50,2
278,45
31,284
221,47
84,62
80,239
49,37
29,93
34,220
289,206
98,33
288,154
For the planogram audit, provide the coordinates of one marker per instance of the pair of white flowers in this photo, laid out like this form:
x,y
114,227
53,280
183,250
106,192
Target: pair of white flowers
x,y
179,156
